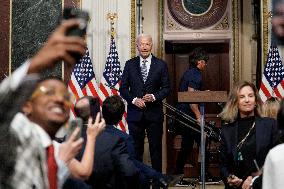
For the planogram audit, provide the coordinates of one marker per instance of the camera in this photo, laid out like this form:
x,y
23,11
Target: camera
x,y
83,16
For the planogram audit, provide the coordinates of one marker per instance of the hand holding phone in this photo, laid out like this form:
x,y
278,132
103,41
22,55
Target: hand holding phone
x,y
81,29
73,124
83,16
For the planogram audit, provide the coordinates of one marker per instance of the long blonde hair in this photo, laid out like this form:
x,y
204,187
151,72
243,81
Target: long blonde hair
x,y
271,107
230,111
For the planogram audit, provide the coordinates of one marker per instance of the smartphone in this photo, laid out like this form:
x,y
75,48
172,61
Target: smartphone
x,y
94,108
83,16
73,124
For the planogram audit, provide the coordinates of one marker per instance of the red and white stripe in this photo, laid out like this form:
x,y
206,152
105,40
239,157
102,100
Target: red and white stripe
x,y
91,89
106,91
266,90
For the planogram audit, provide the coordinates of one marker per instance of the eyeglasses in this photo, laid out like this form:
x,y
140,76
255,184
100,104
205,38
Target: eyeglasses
x,y
51,92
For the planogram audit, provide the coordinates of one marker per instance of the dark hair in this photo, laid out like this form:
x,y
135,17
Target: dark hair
x,y
113,109
196,55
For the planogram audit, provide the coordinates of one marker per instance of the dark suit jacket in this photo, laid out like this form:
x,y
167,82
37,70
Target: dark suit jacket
x,y
113,167
266,138
147,171
157,83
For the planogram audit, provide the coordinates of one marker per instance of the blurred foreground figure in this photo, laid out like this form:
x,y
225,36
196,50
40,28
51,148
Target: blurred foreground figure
x,y
27,165
277,21
273,171
271,107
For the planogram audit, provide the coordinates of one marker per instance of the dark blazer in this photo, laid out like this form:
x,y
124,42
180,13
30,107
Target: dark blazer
x,y
266,138
113,167
157,83
147,171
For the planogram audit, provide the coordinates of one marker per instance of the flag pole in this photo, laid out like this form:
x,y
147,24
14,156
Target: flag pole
x,y
112,17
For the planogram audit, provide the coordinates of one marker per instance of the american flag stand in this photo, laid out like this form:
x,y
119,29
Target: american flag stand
x,y
272,83
110,81
83,80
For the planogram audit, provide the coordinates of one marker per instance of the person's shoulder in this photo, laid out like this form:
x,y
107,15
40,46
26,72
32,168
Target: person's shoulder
x,y
134,59
116,133
277,152
266,119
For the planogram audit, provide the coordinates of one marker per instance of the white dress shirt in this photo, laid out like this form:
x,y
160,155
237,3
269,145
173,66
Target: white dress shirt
x,y
63,171
273,170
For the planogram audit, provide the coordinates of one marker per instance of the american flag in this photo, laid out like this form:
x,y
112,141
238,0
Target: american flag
x,y
272,83
110,81
83,80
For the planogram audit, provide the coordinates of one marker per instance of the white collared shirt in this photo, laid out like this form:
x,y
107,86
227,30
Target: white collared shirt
x,y
63,171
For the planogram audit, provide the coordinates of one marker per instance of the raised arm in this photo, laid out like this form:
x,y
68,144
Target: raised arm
x,y
83,169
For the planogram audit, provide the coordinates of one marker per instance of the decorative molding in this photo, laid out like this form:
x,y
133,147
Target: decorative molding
x,y
133,28
199,20
5,38
265,30
235,53
171,24
160,29
223,25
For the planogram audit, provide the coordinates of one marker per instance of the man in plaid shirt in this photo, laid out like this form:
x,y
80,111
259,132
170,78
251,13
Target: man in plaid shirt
x,y
29,163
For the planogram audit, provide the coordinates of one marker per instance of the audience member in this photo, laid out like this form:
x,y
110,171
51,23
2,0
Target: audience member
x,y
246,137
271,107
113,111
277,21
47,111
145,83
113,166
273,171
11,102
190,81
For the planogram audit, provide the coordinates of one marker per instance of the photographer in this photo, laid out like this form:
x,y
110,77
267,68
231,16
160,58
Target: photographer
x,y
29,164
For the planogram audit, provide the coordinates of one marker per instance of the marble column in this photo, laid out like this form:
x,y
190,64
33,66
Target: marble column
x,y
4,38
32,22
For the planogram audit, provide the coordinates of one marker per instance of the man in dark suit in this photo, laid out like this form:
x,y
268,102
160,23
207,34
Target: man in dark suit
x,y
144,84
113,166
113,109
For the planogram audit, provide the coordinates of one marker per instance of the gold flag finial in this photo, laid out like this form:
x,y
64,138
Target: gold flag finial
x,y
112,17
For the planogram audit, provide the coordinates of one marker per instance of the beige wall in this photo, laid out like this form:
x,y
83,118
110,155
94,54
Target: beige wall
x,y
99,31
151,21
247,45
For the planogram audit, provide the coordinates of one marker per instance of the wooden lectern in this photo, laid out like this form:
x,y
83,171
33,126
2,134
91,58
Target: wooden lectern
x,y
202,97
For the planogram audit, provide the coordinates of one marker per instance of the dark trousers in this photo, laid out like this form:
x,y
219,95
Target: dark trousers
x,y
188,138
154,134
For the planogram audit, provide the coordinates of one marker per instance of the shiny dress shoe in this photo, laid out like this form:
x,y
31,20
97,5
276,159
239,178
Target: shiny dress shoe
x,y
169,180
163,183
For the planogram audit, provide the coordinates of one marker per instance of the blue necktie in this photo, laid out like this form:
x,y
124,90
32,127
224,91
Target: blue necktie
x,y
144,70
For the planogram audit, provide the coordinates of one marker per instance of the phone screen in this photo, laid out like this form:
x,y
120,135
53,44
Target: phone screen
x,y
94,108
73,124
